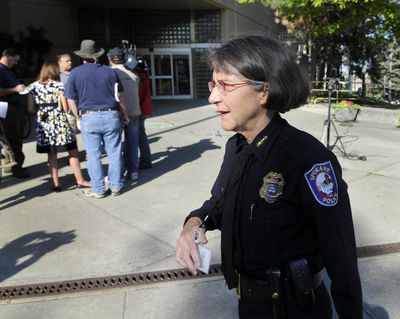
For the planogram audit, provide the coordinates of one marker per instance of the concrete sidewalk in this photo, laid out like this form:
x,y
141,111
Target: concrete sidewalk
x,y
58,236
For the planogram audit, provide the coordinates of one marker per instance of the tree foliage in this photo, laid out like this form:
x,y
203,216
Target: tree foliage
x,y
33,45
358,30
390,68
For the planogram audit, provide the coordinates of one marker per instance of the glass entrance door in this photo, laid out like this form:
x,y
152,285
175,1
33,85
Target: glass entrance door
x,y
170,73
181,67
163,74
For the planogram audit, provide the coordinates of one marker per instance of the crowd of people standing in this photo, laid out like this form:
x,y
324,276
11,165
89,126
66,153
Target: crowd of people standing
x,y
103,102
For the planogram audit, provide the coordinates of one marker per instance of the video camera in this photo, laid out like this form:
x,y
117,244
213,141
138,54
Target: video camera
x,y
332,82
130,60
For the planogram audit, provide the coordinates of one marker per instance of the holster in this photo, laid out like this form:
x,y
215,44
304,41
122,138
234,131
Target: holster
x,y
302,283
278,298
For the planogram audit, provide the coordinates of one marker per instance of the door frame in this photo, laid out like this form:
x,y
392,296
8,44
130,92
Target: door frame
x,y
167,51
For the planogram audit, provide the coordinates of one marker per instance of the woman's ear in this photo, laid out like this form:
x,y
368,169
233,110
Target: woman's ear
x,y
264,94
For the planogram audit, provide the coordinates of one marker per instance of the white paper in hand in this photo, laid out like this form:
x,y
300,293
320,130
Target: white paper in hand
x,y
205,258
3,109
24,91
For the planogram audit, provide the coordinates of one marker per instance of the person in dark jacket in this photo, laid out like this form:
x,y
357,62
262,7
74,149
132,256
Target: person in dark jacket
x,y
10,90
279,199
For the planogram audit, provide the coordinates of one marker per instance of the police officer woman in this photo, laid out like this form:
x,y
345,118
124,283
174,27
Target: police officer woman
x,y
279,199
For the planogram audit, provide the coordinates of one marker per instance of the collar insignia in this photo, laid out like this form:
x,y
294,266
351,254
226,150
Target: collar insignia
x,y
262,141
272,187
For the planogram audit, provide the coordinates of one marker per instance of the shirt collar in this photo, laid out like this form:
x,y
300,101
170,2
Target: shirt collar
x,y
264,140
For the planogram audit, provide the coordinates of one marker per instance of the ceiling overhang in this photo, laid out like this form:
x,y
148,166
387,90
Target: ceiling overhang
x,y
148,5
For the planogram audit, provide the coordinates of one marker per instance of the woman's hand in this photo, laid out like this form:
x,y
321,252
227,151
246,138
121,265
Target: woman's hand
x,y
186,246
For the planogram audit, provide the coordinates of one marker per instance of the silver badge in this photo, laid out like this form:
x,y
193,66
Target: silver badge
x,y
272,187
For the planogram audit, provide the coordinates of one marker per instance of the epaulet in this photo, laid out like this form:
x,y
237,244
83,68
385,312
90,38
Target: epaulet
x,y
301,145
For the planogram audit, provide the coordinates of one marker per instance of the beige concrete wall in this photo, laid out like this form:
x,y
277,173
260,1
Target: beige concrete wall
x,y
240,19
56,17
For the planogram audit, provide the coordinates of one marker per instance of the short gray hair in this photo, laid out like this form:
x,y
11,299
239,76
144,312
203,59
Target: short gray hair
x,y
263,59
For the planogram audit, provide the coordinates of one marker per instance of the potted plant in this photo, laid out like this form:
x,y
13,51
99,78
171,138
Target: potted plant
x,y
346,110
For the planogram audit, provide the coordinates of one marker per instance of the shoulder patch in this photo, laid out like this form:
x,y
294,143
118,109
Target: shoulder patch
x,y
322,181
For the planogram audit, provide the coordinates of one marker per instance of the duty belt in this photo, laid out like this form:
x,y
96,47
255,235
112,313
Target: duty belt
x,y
263,290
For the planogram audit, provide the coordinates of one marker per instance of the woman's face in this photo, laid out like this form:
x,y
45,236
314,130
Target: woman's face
x,y
240,106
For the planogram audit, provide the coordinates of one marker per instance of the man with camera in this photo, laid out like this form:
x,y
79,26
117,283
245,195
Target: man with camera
x,y
130,81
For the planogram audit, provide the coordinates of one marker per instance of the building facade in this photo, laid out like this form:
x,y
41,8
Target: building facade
x,y
173,36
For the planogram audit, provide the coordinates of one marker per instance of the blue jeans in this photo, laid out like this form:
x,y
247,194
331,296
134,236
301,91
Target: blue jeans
x,y
145,153
98,128
131,148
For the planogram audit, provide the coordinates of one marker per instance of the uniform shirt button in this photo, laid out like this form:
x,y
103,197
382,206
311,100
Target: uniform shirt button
x,y
267,223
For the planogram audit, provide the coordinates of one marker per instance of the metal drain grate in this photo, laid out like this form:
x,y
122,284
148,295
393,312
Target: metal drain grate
x,y
376,250
101,283
140,279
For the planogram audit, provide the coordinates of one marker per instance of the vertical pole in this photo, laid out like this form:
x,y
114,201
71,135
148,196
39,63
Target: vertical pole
x,y
390,75
328,121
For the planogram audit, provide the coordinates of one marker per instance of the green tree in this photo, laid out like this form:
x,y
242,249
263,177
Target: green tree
x,y
33,46
357,30
390,66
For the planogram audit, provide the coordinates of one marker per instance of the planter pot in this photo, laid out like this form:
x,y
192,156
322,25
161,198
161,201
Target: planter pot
x,y
345,114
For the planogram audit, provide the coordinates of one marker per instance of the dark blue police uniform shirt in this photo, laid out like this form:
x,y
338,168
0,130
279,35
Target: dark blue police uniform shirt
x,y
8,80
304,211
92,85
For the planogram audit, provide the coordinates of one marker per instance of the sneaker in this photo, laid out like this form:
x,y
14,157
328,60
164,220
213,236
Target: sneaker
x,y
116,193
132,176
7,170
88,192
7,164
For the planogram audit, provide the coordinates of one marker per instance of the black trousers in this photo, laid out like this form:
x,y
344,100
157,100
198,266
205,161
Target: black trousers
x,y
13,132
251,309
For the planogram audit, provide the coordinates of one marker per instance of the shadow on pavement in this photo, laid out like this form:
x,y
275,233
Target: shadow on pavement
x,y
67,182
28,249
374,311
173,158
25,195
41,169
163,107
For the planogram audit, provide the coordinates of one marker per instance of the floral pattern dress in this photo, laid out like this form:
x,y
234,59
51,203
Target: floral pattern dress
x,y
53,133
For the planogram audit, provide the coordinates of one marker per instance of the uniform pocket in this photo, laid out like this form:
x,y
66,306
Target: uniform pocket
x,y
270,217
